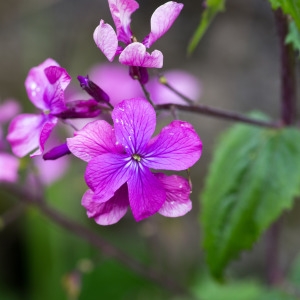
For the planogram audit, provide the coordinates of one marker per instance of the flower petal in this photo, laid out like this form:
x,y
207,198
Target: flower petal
x,y
106,173
36,83
146,193
46,130
161,21
106,40
53,96
29,131
134,122
177,147
8,167
94,139
121,11
178,192
135,55
8,109
109,212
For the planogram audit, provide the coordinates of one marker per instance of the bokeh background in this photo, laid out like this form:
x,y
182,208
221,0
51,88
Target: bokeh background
x,y
237,64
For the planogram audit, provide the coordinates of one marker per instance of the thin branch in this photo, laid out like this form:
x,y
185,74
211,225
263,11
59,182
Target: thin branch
x,y
220,113
97,241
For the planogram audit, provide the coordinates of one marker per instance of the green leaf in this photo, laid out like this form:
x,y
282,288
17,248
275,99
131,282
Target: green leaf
x,y
254,176
289,7
293,36
212,8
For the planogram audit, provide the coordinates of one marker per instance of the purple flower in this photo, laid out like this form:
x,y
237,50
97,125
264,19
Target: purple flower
x,y
120,158
9,166
134,53
45,85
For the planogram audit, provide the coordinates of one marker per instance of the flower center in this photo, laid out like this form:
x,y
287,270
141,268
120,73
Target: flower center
x,y
136,157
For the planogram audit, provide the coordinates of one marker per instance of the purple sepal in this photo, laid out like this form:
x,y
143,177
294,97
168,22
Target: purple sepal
x,y
80,109
57,152
139,73
92,89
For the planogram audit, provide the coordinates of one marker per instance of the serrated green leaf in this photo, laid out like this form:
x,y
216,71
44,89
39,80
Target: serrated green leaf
x,y
254,176
213,7
293,36
289,7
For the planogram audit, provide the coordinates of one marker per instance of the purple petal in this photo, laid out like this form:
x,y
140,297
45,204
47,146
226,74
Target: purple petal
x,y
106,173
134,121
161,21
94,139
8,109
178,192
54,92
80,109
177,147
37,82
107,75
121,11
146,193
109,212
183,82
57,152
8,167
135,54
92,89
46,130
106,40
29,131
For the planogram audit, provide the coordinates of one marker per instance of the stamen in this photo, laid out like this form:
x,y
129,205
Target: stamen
x,y
136,157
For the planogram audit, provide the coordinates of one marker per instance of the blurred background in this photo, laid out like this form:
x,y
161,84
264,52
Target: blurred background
x,y
237,65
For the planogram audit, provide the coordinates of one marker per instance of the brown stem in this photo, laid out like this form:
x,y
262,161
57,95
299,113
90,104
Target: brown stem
x,y
288,116
220,113
11,215
288,74
95,240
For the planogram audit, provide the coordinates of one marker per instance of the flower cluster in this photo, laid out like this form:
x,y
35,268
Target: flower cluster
x,y
124,160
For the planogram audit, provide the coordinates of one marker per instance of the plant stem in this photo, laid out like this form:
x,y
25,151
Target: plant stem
x,y
288,74
94,239
220,113
288,116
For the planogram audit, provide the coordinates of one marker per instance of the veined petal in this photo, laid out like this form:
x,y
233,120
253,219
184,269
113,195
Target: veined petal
x,y
53,96
135,54
106,40
24,133
146,193
46,130
177,147
121,11
36,82
161,21
178,192
8,167
94,139
134,121
109,212
106,173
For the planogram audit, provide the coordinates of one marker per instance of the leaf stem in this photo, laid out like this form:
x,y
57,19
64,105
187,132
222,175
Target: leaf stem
x,y
220,113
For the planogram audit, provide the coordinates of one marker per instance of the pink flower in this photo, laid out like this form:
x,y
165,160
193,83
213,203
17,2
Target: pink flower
x,y
9,164
134,53
120,158
45,85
